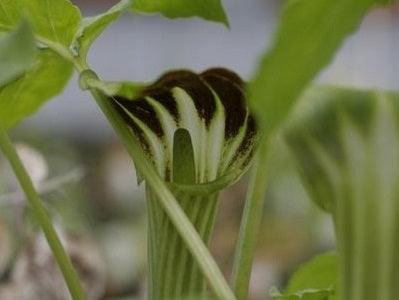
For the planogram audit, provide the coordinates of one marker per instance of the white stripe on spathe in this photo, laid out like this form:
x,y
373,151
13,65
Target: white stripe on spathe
x,y
214,153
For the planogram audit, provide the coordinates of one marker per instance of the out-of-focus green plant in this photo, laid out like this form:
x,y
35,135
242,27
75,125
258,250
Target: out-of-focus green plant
x,y
17,55
347,145
308,35
185,151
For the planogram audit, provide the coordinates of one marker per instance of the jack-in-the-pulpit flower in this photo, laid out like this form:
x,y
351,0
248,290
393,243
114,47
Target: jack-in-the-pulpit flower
x,y
188,121
211,106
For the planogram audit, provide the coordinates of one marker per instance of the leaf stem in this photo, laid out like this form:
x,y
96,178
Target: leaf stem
x,y
250,224
79,64
42,217
167,200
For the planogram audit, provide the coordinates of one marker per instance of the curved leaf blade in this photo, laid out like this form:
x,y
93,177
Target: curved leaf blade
x,y
318,273
310,294
309,34
24,96
211,10
315,280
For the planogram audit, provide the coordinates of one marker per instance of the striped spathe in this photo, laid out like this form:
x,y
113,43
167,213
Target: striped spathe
x,y
211,106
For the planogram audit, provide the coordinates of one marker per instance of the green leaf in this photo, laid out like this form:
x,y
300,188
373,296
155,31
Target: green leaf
x,y
10,14
92,27
44,80
318,273
52,20
211,10
310,294
315,280
308,35
17,53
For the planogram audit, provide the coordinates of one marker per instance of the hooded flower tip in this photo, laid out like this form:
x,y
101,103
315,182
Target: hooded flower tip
x,y
211,106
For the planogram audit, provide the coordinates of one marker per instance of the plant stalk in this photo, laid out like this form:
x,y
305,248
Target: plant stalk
x,y
61,257
367,226
250,224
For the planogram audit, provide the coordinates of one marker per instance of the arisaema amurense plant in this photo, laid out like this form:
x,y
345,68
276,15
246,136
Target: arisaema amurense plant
x,y
197,131
191,135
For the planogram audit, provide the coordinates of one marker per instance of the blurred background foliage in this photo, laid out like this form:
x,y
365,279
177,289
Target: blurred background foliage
x,y
88,181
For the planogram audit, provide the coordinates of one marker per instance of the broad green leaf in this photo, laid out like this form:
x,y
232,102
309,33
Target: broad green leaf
x,y
309,294
211,10
92,27
10,14
52,20
308,35
315,280
318,273
17,53
44,80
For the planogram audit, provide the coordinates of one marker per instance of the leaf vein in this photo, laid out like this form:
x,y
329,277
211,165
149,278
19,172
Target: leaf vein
x,y
48,15
5,12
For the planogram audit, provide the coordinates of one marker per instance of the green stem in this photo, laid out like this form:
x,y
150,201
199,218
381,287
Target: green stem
x,y
250,224
367,222
42,217
167,201
79,64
